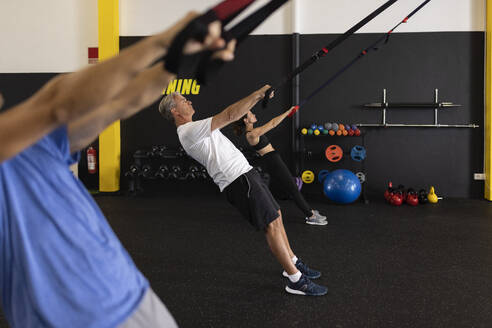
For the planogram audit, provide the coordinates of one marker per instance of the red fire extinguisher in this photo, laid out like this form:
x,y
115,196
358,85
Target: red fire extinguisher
x,y
91,160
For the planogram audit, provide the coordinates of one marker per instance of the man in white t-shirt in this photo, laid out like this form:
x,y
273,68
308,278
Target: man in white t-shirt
x,y
242,184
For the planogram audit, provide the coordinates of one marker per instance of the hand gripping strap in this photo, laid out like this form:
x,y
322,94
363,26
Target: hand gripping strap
x,y
197,29
239,32
293,111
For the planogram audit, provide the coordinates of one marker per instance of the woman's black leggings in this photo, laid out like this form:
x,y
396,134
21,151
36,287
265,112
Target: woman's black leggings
x,y
279,172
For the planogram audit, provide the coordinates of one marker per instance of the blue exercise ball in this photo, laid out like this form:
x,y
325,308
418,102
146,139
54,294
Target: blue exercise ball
x,y
342,186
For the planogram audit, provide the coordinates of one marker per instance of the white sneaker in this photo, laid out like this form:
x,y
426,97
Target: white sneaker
x,y
316,219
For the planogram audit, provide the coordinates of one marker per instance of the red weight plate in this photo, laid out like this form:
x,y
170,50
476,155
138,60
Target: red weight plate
x,y
334,153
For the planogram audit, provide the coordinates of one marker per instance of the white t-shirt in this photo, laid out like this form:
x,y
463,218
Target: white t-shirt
x,y
224,162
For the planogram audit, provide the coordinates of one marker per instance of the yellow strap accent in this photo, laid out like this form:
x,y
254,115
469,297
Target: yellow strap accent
x,y
109,139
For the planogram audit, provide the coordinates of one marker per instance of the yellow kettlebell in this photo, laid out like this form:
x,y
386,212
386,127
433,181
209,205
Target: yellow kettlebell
x,y
307,176
432,197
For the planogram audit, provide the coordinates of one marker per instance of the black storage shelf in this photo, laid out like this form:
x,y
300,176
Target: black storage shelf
x,y
315,152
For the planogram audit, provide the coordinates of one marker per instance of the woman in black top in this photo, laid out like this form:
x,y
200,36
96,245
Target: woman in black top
x,y
273,163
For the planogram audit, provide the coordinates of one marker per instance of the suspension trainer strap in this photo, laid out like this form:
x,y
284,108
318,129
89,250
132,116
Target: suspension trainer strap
x,y
197,30
226,11
245,27
325,50
364,52
209,68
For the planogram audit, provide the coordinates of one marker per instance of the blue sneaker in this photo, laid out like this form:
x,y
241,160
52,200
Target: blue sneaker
x,y
305,270
305,287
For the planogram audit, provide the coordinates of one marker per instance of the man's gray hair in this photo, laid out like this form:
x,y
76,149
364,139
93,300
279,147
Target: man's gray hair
x,y
167,103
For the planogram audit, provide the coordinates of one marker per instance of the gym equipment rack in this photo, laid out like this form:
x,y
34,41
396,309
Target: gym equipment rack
x,y
436,105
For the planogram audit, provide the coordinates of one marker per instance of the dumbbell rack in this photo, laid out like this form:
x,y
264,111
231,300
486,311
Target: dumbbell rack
x,y
163,164
307,154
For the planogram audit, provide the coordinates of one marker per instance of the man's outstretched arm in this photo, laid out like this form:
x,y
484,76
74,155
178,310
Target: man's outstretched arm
x,y
237,110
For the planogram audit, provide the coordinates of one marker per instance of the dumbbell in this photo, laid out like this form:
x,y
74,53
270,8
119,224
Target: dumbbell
x,y
133,171
204,173
162,172
140,154
193,172
146,171
181,152
175,172
153,152
160,152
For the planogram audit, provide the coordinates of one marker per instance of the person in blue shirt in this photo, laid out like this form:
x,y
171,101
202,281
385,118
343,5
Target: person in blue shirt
x,y
61,265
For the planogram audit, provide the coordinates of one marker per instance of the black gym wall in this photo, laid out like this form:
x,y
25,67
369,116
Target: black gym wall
x,y
410,67
16,87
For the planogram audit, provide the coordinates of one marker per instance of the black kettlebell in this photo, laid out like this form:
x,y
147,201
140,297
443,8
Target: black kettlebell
x,y
423,196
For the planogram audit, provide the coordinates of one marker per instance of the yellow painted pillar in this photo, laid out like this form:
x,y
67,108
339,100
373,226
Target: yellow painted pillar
x,y
488,105
109,139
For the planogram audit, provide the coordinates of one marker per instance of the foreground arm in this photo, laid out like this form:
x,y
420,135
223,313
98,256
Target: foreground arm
x,y
237,110
84,91
139,93
22,126
70,97
273,123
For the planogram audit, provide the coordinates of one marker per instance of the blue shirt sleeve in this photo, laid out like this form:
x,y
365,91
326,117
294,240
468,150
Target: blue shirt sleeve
x,y
58,141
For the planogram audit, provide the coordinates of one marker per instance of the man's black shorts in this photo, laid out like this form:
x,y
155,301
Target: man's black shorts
x,y
251,196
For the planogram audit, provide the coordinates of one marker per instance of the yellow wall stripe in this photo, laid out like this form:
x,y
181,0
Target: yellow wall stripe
x,y
109,139
488,105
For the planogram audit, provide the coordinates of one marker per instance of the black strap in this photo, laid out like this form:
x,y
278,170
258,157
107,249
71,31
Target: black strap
x,y
241,30
197,29
325,50
364,52
209,68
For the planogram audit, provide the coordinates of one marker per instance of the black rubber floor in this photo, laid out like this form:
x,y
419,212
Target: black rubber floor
x,y
429,266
